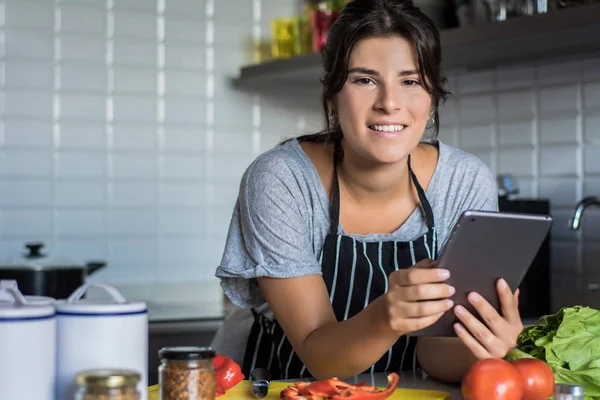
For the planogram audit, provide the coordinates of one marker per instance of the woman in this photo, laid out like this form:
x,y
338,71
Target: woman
x,y
331,246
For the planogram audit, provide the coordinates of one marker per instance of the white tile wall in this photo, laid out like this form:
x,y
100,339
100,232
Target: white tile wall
x,y
121,137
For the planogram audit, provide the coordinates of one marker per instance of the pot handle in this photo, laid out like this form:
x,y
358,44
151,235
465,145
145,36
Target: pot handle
x,y
10,286
94,266
80,291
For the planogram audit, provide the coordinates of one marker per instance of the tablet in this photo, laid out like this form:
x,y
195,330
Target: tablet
x,y
483,247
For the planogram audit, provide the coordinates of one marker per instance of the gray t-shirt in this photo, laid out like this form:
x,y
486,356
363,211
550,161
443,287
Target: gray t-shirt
x,y
281,219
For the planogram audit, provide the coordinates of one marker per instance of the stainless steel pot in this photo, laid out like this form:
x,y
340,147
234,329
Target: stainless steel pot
x,y
40,275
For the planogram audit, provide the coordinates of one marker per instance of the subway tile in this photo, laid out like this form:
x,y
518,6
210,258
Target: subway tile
x,y
227,62
133,272
29,14
28,74
591,159
182,194
515,133
554,99
33,45
238,33
79,106
591,95
134,136
562,192
590,224
180,30
27,133
276,8
232,11
591,68
184,56
191,9
133,166
476,108
591,255
28,193
132,250
188,221
82,135
82,193
223,194
83,250
185,83
558,130
182,167
563,256
233,114
190,138
27,103
527,187
25,163
228,168
591,128
232,142
518,162
135,5
80,222
14,248
132,194
558,160
214,252
135,108
512,78
591,186
81,18
135,80
180,249
125,222
135,25
219,219
476,136
84,78
174,273
17,222
475,82
516,105
135,54
75,47
561,225
559,72
81,165
184,111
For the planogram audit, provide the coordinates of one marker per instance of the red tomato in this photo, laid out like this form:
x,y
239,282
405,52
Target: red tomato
x,y
538,379
492,379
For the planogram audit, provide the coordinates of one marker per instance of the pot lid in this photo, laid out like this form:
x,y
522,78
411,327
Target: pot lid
x,y
116,305
15,307
34,258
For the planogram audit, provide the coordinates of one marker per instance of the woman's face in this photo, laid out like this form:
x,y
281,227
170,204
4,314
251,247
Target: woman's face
x,y
383,107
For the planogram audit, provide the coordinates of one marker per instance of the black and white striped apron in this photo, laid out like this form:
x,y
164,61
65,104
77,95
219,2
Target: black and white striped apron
x,y
355,274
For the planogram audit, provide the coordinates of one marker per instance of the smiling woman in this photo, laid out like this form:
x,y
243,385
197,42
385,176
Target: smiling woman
x,y
331,250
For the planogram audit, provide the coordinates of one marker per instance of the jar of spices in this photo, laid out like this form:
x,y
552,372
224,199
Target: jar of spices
x,y
107,384
186,373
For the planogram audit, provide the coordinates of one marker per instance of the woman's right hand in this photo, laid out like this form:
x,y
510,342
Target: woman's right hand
x,y
417,296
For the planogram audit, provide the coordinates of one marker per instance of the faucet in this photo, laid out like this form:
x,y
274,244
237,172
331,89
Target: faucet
x,y
581,206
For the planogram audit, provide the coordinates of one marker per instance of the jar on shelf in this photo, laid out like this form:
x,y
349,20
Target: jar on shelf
x,y
107,384
186,373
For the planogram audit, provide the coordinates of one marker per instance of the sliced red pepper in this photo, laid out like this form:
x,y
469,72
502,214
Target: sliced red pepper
x,y
327,387
227,372
367,393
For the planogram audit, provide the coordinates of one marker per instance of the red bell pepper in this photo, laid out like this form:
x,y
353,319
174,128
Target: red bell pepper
x,y
227,372
335,389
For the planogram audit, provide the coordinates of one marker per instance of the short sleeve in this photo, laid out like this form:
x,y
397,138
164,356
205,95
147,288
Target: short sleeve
x,y
269,233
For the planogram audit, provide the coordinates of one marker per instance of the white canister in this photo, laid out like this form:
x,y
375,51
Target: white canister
x,y
100,334
27,347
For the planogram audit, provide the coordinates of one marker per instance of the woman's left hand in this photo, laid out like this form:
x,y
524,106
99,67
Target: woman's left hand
x,y
500,335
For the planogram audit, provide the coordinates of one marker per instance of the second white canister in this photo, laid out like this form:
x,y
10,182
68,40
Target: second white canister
x,y
100,334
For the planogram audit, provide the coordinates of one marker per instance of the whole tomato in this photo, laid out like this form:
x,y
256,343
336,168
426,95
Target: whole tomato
x,y
492,379
538,379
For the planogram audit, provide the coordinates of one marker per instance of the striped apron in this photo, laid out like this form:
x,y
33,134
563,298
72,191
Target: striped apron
x,y
355,274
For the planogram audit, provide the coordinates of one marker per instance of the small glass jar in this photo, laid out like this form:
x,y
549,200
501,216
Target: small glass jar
x,y
107,384
186,373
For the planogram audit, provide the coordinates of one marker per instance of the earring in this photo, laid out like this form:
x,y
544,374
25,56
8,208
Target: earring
x,y
333,120
432,118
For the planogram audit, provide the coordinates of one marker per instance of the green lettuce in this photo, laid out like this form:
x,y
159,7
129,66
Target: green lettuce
x,y
569,342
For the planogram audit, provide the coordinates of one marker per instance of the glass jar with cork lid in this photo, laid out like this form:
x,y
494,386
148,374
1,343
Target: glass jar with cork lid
x,y
107,384
186,373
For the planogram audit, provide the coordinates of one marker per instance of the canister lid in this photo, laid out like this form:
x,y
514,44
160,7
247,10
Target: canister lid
x,y
186,353
107,378
116,305
15,307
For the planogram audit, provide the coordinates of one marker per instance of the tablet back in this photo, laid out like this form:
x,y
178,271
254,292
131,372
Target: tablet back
x,y
482,248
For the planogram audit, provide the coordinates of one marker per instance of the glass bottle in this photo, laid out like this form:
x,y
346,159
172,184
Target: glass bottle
x,y
107,384
186,373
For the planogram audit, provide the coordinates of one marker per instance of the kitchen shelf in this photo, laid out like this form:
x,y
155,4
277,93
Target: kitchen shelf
x,y
562,33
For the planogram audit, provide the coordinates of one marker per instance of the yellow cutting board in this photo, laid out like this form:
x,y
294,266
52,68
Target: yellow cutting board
x,y
243,392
